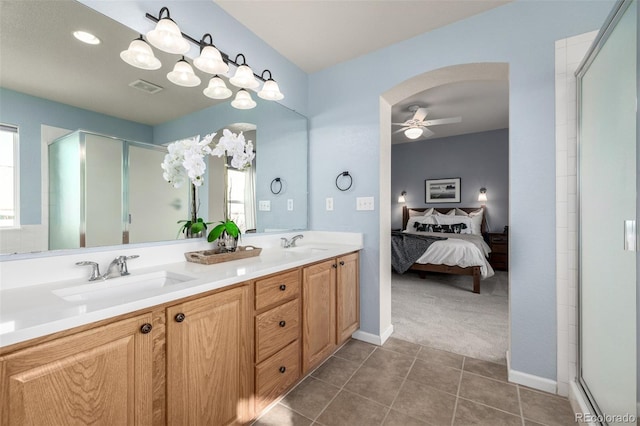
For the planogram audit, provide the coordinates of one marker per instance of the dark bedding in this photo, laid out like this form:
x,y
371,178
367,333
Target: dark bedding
x,y
407,248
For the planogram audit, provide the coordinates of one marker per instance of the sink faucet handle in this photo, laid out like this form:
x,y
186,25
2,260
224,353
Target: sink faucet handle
x,y
122,263
284,242
95,269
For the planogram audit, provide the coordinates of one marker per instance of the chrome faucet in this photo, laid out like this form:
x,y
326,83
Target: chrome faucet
x,y
292,242
119,262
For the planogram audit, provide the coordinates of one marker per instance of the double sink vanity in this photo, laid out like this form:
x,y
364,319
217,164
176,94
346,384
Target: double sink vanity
x,y
174,342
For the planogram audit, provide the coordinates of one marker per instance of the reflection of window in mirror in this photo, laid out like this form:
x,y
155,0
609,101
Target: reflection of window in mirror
x,y
8,176
240,199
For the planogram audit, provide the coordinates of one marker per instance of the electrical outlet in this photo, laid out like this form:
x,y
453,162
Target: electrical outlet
x,y
264,205
290,204
365,203
329,204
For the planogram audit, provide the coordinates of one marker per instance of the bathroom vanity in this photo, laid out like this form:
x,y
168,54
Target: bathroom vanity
x,y
217,350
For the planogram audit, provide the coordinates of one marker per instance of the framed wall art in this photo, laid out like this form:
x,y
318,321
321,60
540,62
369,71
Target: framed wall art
x,y
442,190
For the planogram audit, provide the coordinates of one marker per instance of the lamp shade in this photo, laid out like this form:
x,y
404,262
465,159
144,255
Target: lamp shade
x,y
270,91
413,132
244,78
183,74
402,198
217,89
482,197
243,100
140,55
167,37
210,61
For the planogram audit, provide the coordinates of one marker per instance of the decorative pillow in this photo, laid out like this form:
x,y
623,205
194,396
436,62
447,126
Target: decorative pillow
x,y
431,219
449,213
450,220
476,219
414,213
454,228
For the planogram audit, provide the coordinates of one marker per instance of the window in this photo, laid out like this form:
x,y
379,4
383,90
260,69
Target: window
x,y
240,198
8,176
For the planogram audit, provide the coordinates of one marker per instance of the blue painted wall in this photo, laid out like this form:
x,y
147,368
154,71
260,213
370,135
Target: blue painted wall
x,y
344,123
479,159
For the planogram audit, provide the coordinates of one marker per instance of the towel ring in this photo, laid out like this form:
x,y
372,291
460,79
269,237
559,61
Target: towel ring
x,y
346,174
278,183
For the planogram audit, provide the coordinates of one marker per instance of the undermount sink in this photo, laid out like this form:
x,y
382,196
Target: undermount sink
x,y
120,286
306,249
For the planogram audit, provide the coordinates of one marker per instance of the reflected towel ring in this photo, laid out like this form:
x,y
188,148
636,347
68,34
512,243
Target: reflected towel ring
x,y
277,181
350,181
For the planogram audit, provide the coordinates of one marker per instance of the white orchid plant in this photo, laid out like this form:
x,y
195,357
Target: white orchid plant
x,y
185,161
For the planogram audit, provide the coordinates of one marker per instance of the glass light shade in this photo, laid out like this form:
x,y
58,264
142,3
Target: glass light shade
x,y
402,199
482,197
244,78
210,61
217,89
413,132
86,37
183,75
243,100
270,91
167,37
140,55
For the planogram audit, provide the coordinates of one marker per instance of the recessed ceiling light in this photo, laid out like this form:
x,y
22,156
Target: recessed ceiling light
x,y
86,37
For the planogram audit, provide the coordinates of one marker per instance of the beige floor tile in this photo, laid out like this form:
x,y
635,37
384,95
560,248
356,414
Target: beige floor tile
x,y
435,375
336,371
372,383
442,357
310,397
470,414
353,410
396,418
355,350
486,368
545,408
401,346
280,415
425,403
528,422
494,393
393,362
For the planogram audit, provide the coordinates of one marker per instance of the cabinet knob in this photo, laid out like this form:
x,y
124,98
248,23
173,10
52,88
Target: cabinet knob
x,y
180,317
283,369
146,328
282,323
334,265
342,263
283,287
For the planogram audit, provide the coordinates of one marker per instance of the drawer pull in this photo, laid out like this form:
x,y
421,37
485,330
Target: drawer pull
x,y
282,323
342,263
180,317
146,328
334,266
283,287
283,369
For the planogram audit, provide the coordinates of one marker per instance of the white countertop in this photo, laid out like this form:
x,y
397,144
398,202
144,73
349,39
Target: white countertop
x,y
33,311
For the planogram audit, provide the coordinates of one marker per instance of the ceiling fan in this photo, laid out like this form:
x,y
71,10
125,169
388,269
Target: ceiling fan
x,y
416,126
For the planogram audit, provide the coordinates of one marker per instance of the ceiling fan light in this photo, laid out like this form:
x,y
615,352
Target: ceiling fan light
x,y
270,91
413,132
167,37
217,89
243,100
140,55
244,78
210,61
183,74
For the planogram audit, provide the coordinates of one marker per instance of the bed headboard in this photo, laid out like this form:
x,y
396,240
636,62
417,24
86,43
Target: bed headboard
x,y
405,214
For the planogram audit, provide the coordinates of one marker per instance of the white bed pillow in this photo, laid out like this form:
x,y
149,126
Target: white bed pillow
x,y
451,212
476,219
450,220
416,213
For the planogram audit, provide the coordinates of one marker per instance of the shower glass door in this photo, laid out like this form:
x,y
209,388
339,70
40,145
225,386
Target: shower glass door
x,y
607,212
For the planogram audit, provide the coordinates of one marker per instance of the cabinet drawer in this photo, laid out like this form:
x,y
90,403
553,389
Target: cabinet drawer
x,y
276,374
499,248
273,290
277,327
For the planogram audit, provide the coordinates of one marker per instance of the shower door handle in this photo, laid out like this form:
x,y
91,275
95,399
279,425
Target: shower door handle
x,y
630,235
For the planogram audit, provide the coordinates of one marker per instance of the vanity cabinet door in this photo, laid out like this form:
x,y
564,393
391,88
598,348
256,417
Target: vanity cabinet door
x,y
347,297
100,377
209,360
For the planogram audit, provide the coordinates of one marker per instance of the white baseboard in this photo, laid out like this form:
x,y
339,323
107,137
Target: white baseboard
x,y
374,339
578,403
536,382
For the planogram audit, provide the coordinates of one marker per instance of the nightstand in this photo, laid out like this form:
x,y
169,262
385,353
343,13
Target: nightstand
x,y
499,257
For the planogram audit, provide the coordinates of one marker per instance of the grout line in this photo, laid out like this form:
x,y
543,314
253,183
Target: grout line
x,y
520,405
455,405
393,401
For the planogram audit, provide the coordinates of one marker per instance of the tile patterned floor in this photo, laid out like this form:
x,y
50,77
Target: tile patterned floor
x,y
401,383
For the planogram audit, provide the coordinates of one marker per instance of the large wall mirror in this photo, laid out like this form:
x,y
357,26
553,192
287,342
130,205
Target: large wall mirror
x,y
53,87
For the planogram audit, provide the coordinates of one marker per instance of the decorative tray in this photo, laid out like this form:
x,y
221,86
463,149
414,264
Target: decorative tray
x,y
209,257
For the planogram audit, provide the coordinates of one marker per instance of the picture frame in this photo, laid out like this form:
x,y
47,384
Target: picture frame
x,y
442,190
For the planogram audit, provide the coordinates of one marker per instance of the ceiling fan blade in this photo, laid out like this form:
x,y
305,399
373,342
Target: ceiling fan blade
x,y
420,114
442,121
426,132
401,130
400,124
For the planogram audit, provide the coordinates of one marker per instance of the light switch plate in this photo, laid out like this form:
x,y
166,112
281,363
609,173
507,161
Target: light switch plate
x,y
290,204
264,205
329,204
365,203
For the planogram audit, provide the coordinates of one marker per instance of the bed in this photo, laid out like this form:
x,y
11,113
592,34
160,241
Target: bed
x,y
459,254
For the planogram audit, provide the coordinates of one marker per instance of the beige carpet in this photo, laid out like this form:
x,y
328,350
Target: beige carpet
x,y
442,312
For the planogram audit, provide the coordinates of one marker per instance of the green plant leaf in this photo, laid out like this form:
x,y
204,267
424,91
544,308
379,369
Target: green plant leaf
x,y
232,229
216,232
197,227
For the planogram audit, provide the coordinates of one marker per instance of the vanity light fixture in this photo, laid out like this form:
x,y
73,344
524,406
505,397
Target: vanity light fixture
x,y
244,77
166,36
210,59
270,90
183,74
482,197
217,89
140,55
402,198
86,37
243,100
413,132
